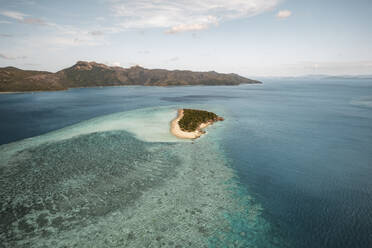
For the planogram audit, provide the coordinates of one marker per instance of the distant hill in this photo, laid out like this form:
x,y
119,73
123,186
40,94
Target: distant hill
x,y
351,77
91,74
318,77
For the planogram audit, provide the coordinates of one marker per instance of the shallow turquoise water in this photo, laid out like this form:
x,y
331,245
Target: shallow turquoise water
x,y
290,167
123,180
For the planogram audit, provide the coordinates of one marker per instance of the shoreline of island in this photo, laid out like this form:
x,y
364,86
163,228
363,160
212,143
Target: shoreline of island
x,y
107,86
176,130
11,92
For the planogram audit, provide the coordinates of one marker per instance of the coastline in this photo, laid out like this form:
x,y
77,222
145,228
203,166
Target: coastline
x,y
9,92
30,91
127,85
176,130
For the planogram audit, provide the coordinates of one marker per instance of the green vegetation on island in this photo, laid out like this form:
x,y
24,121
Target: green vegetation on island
x,y
192,119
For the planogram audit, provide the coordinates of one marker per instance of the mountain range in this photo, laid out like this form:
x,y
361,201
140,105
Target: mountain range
x,y
92,74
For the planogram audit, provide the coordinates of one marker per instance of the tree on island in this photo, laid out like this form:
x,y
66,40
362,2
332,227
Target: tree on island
x,y
192,119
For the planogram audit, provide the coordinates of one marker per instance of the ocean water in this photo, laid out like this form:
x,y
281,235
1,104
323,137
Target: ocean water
x,y
291,166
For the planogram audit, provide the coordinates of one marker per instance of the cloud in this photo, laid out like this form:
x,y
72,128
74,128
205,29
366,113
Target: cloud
x,y
309,68
339,65
113,63
21,17
14,15
96,33
183,28
63,36
73,41
4,22
66,38
183,15
283,14
31,64
34,21
144,52
174,59
3,56
6,35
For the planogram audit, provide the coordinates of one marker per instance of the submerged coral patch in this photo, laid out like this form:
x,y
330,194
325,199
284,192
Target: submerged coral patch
x,y
109,188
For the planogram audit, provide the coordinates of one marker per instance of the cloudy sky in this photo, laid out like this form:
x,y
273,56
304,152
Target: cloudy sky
x,y
249,37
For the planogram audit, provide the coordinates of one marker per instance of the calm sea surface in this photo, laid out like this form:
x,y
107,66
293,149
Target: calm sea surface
x,y
302,150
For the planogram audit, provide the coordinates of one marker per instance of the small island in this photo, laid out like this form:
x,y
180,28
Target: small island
x,y
189,123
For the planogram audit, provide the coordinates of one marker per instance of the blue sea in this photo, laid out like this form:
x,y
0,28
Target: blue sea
x,y
291,166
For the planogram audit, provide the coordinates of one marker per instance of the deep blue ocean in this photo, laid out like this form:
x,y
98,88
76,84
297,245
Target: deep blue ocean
x,y
302,149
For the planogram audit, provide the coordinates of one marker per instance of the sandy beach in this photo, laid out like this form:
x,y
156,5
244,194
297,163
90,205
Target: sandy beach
x,y
8,92
177,131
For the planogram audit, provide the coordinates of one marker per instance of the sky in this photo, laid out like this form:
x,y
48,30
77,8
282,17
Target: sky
x,y
249,37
